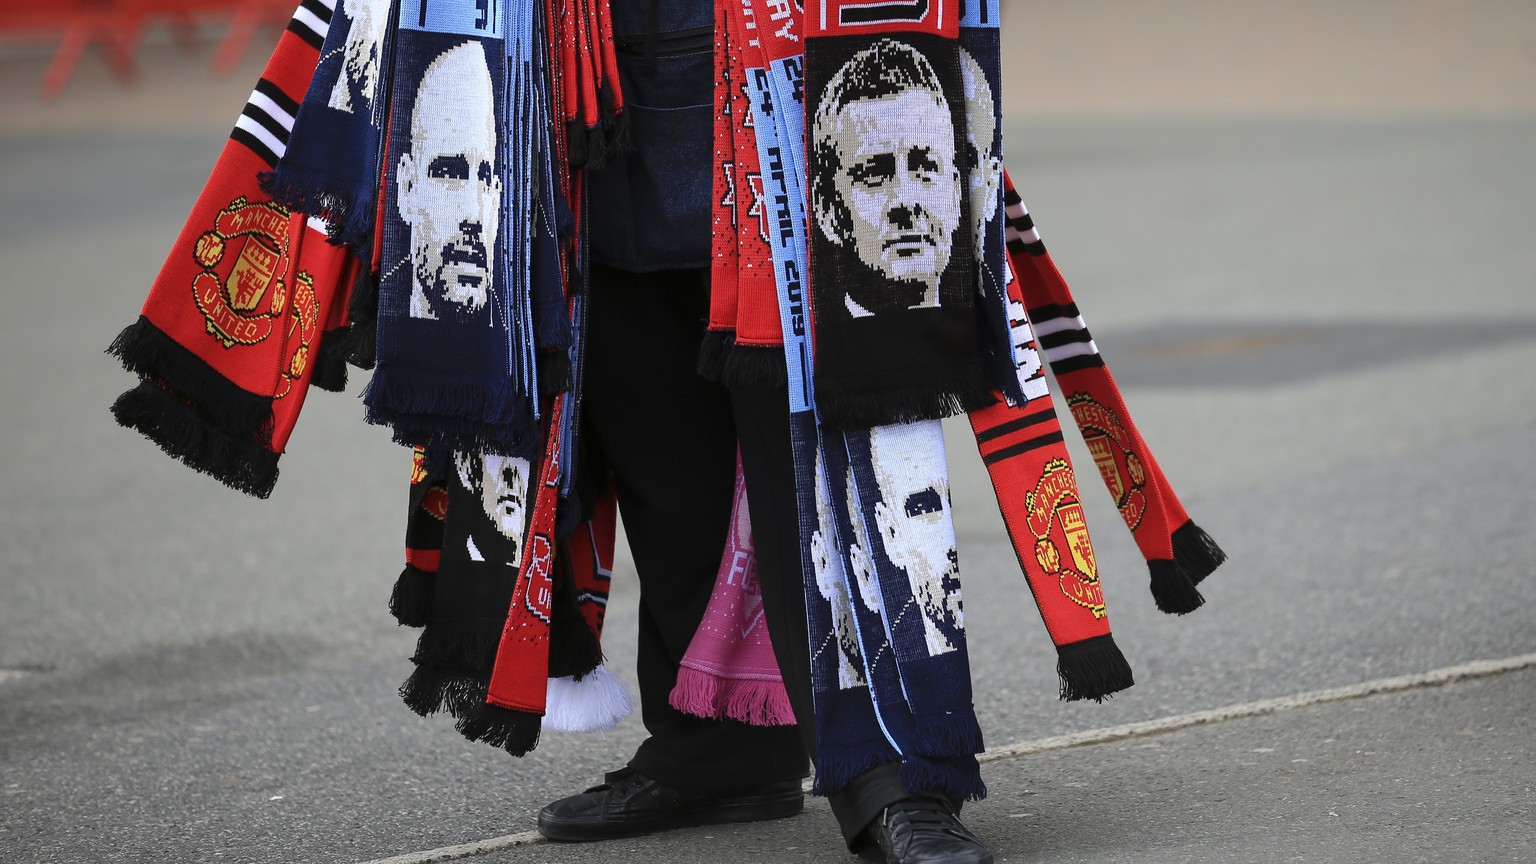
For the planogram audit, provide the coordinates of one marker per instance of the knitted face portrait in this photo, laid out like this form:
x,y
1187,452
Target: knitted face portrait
x,y
357,85
827,565
916,527
501,484
984,181
887,188
448,191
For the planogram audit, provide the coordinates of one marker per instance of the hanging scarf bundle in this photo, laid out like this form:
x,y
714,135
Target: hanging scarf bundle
x,y
729,669
1178,552
451,360
892,259
906,700
226,342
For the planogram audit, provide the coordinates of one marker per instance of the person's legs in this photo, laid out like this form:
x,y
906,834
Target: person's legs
x,y
670,441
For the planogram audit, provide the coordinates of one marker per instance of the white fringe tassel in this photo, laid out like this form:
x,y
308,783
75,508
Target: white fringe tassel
x,y
596,703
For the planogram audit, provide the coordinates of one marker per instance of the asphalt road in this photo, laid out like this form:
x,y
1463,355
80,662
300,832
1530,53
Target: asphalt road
x,y
1323,324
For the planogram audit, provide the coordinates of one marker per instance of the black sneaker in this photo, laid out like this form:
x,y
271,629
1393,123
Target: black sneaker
x,y
926,831
629,804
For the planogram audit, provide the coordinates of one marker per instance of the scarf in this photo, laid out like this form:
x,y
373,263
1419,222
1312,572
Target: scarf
x,y
903,702
1178,552
226,343
331,167
450,364
729,669
892,261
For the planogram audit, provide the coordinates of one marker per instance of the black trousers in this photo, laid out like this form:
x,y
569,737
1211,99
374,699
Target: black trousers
x,y
670,439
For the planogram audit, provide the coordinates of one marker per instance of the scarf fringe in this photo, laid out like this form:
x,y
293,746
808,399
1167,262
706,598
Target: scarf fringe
x,y
555,374
576,142
959,782
843,408
834,774
411,600
1092,669
756,702
348,216
714,351
186,434
1196,553
459,648
947,736
754,366
1172,590
146,350
331,360
594,702
615,121
430,691
573,649
460,414
516,732
363,314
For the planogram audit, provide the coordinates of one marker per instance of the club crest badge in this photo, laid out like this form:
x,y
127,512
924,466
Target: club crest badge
x,y
1110,444
242,290
247,288
1056,518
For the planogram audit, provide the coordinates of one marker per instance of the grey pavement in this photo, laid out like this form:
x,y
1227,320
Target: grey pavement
x,y
1323,317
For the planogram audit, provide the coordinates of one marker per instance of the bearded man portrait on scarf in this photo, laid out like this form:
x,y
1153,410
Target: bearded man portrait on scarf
x,y
718,270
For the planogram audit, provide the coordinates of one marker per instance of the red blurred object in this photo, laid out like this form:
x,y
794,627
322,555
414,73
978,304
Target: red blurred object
x,y
117,25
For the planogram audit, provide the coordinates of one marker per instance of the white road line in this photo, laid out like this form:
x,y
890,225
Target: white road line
x,y
11,675
1433,678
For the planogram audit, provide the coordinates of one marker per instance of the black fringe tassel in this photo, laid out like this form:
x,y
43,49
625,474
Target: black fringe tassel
x,y
363,316
576,142
331,360
146,350
713,351
187,434
429,691
1172,590
754,366
1196,553
573,647
411,601
959,779
1092,669
554,372
852,408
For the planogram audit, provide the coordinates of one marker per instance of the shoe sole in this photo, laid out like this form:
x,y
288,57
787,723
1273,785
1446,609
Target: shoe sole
x,y
722,812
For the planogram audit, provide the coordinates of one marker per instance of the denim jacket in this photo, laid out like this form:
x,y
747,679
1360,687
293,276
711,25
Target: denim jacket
x,y
649,208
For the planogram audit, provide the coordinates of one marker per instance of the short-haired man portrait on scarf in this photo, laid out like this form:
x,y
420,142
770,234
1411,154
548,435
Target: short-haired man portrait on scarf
x,y
448,190
889,188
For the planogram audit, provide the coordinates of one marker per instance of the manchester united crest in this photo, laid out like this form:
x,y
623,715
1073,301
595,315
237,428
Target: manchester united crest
x,y
1062,547
242,290
1116,458
247,288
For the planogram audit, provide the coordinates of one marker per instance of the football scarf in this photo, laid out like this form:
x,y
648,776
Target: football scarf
x,y
891,255
729,669
476,580
427,512
1026,457
1178,553
226,342
906,701
331,166
451,364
